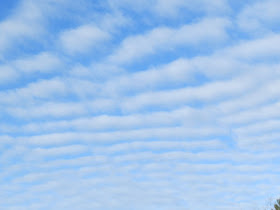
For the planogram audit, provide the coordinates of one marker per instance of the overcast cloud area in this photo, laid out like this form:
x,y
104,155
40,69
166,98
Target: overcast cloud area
x,y
139,104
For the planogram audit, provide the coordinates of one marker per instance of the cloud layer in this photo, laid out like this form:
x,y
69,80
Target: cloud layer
x,y
168,104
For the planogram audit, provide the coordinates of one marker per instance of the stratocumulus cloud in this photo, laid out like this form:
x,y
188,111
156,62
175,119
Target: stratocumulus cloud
x,y
145,104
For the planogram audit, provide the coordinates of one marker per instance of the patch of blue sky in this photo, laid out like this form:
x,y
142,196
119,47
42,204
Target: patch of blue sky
x,y
7,7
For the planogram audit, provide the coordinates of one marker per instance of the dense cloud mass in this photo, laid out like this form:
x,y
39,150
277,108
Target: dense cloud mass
x,y
144,104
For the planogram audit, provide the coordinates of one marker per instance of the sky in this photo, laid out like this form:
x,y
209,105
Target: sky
x,y
139,104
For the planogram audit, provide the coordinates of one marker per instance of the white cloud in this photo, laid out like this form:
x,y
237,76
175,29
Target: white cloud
x,y
37,90
7,74
164,39
259,127
47,89
159,145
60,109
258,96
255,114
208,92
44,62
164,133
27,22
260,17
188,117
22,24
58,151
255,49
48,110
179,71
82,39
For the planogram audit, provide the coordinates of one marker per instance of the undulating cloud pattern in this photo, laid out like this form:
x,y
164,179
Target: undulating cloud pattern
x,y
139,104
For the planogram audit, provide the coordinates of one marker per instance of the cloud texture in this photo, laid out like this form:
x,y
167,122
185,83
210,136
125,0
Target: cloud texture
x,y
170,104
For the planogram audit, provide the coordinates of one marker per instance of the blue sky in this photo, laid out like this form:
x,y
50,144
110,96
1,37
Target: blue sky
x,y
143,104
